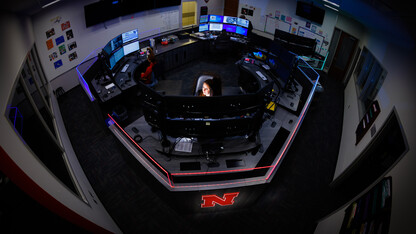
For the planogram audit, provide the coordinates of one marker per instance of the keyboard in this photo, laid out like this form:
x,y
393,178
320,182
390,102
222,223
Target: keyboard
x,y
261,75
125,68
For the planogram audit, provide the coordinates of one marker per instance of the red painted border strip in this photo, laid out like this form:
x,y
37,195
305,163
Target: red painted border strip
x,y
24,182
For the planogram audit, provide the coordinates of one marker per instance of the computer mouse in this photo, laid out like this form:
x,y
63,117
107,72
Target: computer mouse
x,y
135,130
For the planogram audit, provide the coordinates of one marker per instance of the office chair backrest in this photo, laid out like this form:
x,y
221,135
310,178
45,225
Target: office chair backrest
x,y
200,82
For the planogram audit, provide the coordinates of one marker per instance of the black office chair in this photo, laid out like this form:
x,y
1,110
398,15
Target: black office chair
x,y
247,81
222,45
158,70
216,84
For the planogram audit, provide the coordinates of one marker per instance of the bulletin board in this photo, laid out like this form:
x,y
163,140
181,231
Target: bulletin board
x,y
273,23
304,32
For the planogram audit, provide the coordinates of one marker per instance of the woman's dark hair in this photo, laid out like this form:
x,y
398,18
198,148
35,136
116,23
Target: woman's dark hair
x,y
215,85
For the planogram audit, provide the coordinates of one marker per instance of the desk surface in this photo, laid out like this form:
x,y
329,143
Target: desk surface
x,y
232,170
159,49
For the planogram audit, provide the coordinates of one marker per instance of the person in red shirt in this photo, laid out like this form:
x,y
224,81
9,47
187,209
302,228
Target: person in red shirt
x,y
146,77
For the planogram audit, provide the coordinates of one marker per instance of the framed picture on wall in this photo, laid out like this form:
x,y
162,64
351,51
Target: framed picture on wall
x,y
72,56
49,44
69,35
65,25
62,49
59,40
57,64
72,45
50,32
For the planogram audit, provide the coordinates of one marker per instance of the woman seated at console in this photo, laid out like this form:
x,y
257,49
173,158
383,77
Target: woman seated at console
x,y
146,77
211,86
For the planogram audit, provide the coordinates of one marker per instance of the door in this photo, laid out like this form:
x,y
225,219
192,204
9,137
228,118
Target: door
x,y
344,53
231,7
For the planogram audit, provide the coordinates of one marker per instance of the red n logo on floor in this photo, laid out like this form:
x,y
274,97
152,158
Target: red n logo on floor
x,y
212,200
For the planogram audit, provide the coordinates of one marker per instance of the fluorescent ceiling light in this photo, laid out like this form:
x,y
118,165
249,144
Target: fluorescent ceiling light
x,y
330,7
53,2
334,4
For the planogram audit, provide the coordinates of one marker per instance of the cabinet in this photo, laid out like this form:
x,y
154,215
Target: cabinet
x,y
181,55
371,212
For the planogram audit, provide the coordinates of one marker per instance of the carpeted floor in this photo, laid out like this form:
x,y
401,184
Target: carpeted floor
x,y
291,203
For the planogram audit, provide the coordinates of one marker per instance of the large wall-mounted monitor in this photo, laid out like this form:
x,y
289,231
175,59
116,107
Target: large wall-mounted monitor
x,y
310,12
215,27
101,11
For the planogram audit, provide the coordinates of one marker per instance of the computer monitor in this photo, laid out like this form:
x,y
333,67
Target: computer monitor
x,y
115,57
130,35
107,49
215,27
131,47
205,117
230,20
242,22
216,18
241,31
203,27
281,62
203,19
116,43
230,28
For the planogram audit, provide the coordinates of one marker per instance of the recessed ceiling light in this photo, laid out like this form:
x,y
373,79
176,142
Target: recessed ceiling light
x,y
53,2
330,7
327,1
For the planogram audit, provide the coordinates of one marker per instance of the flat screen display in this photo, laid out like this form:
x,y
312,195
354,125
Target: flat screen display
x,y
230,28
130,35
230,20
203,19
203,27
119,54
310,12
113,45
215,18
242,22
241,31
215,27
107,48
131,47
116,43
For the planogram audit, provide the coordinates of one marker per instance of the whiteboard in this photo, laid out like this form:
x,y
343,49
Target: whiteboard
x,y
309,34
273,23
157,23
284,26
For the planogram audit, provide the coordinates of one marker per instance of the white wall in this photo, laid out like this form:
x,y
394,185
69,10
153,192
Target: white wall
x,y
262,8
397,91
87,39
148,23
16,41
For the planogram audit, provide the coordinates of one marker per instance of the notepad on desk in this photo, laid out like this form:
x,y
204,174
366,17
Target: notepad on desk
x,y
184,145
